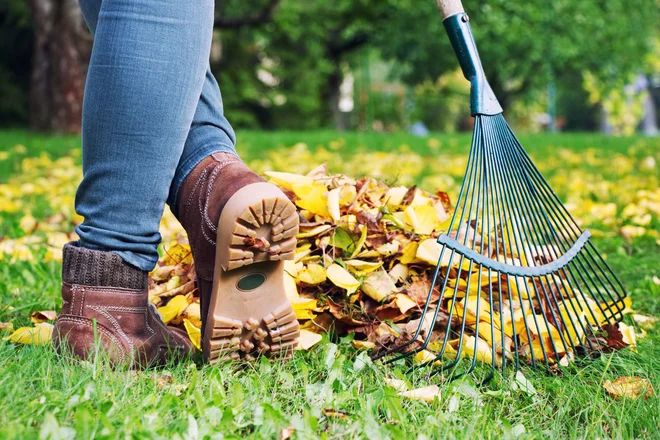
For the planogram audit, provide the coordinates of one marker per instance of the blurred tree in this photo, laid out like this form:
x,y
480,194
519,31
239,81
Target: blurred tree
x,y
522,44
60,56
296,64
15,49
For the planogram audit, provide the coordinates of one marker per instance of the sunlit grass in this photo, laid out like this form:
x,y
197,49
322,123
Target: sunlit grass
x,y
333,391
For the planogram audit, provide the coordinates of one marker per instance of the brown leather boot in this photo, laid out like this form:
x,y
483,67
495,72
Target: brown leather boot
x,y
105,304
240,230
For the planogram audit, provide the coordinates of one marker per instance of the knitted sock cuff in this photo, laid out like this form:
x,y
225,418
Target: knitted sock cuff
x,y
89,267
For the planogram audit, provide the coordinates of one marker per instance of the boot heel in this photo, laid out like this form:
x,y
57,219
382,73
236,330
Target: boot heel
x,y
249,312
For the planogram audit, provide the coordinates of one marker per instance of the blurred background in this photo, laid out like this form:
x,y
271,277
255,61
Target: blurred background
x,y
371,65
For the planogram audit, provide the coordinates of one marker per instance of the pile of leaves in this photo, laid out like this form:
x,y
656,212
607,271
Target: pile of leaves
x,y
364,262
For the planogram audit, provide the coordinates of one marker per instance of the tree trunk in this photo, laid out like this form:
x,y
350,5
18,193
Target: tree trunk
x,y
62,46
332,98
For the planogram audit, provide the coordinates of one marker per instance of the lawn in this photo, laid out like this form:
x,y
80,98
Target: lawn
x,y
331,391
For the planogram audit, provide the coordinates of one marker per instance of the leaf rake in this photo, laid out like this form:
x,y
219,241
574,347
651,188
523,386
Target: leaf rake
x,y
517,277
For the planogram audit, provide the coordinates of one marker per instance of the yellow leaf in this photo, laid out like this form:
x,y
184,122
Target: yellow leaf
x,y
308,340
363,345
303,307
378,285
40,334
404,302
410,253
312,197
426,394
399,273
361,267
389,248
312,232
176,253
290,286
192,313
347,194
422,218
194,333
360,243
341,278
394,197
628,334
423,357
6,327
288,180
629,387
28,223
312,274
429,251
333,204
484,352
174,308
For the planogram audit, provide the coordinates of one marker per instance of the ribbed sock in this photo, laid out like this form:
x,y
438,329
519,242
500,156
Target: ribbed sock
x,y
90,267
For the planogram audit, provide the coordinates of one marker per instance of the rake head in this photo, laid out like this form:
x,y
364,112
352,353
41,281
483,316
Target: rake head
x,y
517,280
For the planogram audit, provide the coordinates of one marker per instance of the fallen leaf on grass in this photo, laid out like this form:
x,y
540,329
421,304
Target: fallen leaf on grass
x,y
363,345
647,322
341,278
6,327
336,413
194,333
40,334
630,387
397,384
286,433
39,317
426,394
174,308
308,340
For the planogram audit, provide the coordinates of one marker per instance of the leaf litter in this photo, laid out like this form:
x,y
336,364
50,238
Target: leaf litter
x,y
363,263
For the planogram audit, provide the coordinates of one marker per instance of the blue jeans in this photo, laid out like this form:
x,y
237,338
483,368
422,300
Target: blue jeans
x,y
152,111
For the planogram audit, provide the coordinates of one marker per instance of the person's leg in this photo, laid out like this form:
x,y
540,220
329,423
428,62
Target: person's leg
x,y
146,75
145,78
209,133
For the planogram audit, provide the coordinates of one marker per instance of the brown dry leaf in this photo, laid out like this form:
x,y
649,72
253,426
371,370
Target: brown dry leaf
x,y
426,394
43,316
629,387
162,380
286,433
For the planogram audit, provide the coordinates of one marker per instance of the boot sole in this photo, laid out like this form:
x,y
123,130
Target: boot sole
x,y
249,312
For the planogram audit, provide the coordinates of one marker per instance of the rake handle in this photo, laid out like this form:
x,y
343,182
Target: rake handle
x,y
449,7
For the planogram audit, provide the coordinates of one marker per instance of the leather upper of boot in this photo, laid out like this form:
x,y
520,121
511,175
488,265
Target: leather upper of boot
x,y
202,196
119,320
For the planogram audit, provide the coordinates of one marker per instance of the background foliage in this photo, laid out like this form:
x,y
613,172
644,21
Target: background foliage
x,y
282,66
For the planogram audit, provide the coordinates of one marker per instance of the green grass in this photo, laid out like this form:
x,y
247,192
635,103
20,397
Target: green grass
x,y
47,396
